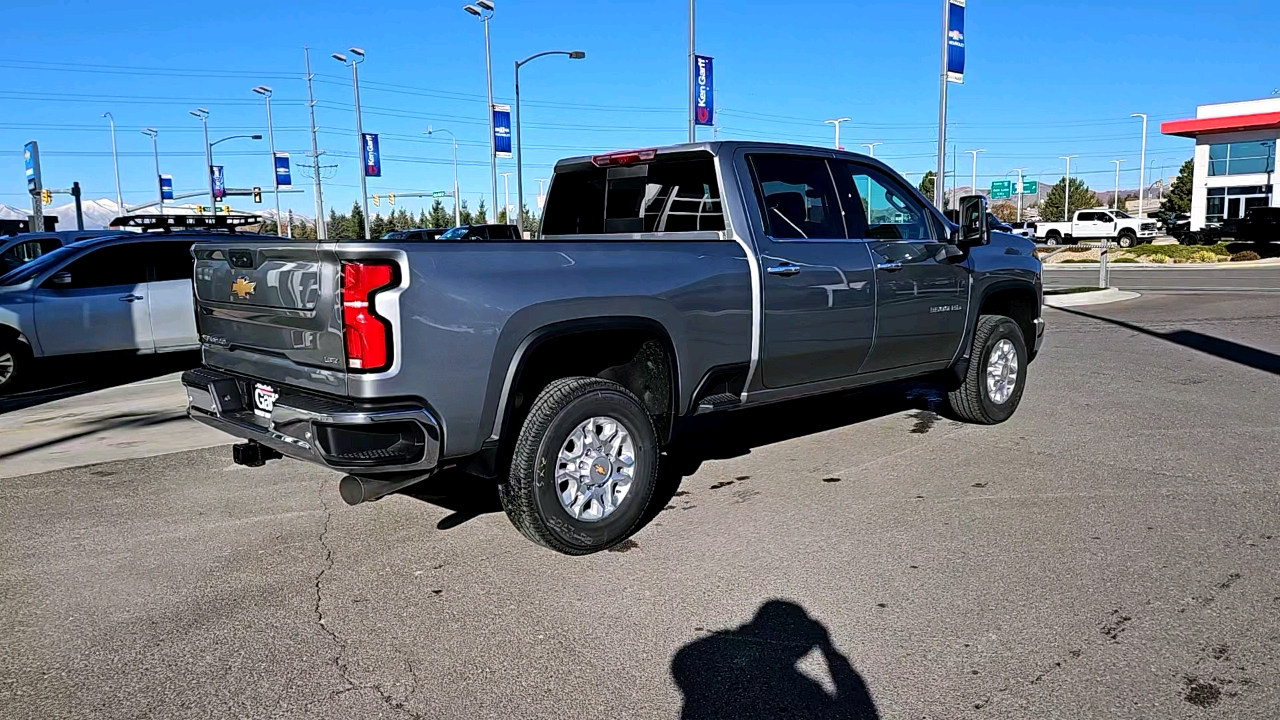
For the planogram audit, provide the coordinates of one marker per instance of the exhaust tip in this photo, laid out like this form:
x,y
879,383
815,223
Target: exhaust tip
x,y
352,490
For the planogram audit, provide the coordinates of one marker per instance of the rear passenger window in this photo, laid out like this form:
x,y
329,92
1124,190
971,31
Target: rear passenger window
x,y
666,195
171,260
797,198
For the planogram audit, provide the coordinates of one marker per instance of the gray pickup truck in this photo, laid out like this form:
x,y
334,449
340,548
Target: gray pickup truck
x,y
666,283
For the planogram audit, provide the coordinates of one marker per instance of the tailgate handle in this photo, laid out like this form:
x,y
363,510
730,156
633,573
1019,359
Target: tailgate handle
x,y
241,258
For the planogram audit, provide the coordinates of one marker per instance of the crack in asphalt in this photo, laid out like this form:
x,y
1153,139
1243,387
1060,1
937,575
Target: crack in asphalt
x,y
338,664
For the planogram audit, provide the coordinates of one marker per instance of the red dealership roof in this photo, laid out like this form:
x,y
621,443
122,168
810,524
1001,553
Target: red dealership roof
x,y
1234,123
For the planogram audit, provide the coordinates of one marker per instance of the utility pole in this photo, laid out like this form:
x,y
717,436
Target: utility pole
x,y
693,134
1066,190
1115,199
942,110
322,230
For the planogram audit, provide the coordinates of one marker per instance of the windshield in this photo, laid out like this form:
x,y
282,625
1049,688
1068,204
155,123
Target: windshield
x,y
455,233
25,272
1121,214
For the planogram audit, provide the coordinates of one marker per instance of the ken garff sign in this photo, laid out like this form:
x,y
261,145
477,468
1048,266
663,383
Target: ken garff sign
x,y
372,157
283,178
955,41
704,99
219,182
502,131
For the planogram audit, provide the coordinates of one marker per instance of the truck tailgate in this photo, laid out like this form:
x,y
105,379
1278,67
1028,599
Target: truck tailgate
x,y
272,310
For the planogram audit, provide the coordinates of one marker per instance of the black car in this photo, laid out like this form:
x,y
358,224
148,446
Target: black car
x,y
482,232
1259,225
425,234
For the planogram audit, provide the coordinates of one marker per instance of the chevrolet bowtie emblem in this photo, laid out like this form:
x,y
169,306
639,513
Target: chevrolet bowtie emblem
x,y
243,288
599,469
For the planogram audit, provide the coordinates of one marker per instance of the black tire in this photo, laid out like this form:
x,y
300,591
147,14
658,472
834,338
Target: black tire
x,y
1053,238
529,495
15,364
1127,240
971,401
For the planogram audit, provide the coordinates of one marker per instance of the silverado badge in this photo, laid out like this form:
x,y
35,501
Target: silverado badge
x,y
243,288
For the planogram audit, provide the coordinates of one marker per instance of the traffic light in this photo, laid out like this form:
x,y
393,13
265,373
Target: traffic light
x,y
200,209
375,201
257,194
391,198
46,196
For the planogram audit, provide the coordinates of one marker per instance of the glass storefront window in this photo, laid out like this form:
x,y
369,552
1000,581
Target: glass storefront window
x,y
1241,158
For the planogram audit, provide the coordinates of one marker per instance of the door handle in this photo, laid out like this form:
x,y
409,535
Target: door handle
x,y
130,298
783,270
889,266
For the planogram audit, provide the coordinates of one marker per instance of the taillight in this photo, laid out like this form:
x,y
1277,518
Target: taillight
x,y
367,336
626,157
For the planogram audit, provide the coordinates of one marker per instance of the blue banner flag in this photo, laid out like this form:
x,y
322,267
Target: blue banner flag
x,y
955,41
219,182
704,98
502,131
372,157
166,187
31,161
283,178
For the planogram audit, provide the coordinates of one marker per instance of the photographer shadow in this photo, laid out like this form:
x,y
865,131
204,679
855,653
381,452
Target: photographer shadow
x,y
753,671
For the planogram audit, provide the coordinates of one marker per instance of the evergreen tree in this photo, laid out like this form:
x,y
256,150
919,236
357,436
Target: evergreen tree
x,y
337,225
401,220
423,220
357,222
1081,198
502,216
438,217
464,214
379,226
481,217
1179,198
528,223
927,184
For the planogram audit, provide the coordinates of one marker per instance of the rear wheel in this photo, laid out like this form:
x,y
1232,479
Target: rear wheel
x,y
584,467
1053,238
997,373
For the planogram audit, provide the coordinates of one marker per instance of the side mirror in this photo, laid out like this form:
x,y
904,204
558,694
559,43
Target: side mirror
x,y
61,278
973,228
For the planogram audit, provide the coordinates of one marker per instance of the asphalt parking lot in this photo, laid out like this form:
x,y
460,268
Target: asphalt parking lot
x,y
1110,552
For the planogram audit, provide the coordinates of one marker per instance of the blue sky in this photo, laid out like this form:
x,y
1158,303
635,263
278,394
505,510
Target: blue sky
x,y
1042,80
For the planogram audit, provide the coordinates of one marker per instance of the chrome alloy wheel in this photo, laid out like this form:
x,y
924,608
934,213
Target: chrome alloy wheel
x,y
1002,371
6,367
595,468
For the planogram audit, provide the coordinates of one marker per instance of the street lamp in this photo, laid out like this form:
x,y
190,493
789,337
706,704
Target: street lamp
x,y
115,161
871,148
265,92
836,122
1115,200
355,85
151,133
1142,164
1019,189
203,114
506,190
483,10
457,213
572,55
973,183
209,154
1066,190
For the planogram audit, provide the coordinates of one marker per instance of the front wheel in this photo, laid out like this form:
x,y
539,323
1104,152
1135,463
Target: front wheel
x,y
584,467
14,364
997,373
1127,240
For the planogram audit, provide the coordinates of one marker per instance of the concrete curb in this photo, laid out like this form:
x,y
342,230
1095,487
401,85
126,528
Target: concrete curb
x,y
1097,297
1266,262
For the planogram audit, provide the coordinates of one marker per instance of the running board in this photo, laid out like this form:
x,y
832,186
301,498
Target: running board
x,y
712,403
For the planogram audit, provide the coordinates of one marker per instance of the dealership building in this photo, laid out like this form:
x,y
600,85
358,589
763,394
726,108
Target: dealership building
x,y
1235,158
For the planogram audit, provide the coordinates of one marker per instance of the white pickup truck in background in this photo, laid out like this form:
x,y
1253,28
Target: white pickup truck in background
x,y
1126,230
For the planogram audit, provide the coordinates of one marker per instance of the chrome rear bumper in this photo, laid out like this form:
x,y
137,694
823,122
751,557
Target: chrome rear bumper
x,y
332,432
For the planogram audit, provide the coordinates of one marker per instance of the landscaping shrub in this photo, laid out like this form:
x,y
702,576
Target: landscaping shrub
x,y
1125,260
1159,259
1245,255
1203,256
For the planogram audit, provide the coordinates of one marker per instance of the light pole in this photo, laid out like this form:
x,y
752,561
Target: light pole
x,y
203,114
1115,200
836,122
572,55
973,183
871,148
265,92
115,162
483,9
693,127
506,190
1142,164
209,153
155,154
1019,190
355,85
1066,190
457,212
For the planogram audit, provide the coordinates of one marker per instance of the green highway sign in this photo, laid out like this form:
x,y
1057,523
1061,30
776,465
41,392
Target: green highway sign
x,y
1001,189
1030,187
439,194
